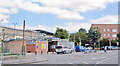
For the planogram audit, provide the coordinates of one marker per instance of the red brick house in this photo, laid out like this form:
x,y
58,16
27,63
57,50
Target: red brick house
x,y
108,30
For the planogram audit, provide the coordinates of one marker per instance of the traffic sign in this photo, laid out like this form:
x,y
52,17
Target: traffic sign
x,y
110,39
37,46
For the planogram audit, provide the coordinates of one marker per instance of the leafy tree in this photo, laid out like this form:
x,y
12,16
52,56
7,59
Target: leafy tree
x,y
61,33
114,42
105,42
79,35
82,30
83,37
94,34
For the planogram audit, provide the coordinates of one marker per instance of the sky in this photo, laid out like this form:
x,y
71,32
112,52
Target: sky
x,y
49,14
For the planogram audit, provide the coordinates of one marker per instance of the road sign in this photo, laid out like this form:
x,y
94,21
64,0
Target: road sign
x,y
37,46
42,46
110,39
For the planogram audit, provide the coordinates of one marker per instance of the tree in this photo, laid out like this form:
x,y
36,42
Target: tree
x,y
83,37
79,35
61,33
104,42
82,30
94,34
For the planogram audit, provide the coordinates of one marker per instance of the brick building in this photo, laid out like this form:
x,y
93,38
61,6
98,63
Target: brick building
x,y
108,30
38,46
15,47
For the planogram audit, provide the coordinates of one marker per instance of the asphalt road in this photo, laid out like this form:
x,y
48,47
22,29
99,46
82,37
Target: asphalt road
x,y
100,57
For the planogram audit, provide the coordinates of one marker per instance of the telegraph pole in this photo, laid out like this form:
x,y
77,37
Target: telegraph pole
x,y
23,51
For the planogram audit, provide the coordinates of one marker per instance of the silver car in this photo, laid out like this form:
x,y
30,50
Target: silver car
x,y
60,49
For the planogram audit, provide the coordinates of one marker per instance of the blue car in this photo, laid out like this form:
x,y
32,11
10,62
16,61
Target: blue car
x,y
79,49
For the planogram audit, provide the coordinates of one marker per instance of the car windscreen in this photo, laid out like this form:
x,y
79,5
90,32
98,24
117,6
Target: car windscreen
x,y
58,47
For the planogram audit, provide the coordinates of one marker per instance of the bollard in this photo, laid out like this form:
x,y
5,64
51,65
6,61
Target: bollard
x,y
35,55
20,57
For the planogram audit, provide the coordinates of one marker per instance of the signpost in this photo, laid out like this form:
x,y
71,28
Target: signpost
x,y
110,39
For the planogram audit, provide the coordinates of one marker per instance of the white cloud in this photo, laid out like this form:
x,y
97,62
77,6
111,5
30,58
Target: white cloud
x,y
3,18
76,5
69,26
108,19
63,9
8,11
75,26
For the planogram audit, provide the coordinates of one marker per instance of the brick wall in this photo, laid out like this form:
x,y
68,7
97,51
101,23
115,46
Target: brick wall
x,y
14,46
42,47
30,47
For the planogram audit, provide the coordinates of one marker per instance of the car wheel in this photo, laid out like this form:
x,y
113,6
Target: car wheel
x,y
71,52
64,52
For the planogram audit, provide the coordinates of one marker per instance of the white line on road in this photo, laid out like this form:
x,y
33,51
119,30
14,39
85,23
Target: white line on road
x,y
104,58
85,62
70,63
94,58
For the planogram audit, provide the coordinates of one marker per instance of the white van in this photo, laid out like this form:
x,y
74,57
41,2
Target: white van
x,y
60,49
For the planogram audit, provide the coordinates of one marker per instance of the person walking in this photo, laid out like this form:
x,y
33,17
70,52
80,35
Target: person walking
x,y
85,52
105,49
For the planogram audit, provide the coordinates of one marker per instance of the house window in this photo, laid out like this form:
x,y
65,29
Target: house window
x,y
104,30
108,35
108,30
104,35
114,35
114,30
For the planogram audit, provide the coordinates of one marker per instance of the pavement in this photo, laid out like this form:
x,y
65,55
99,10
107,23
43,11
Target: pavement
x,y
100,57
23,59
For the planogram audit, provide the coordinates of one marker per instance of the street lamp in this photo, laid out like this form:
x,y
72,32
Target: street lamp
x,y
14,25
2,45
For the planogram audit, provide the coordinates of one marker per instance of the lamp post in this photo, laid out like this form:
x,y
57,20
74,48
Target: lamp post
x,y
14,25
74,43
2,45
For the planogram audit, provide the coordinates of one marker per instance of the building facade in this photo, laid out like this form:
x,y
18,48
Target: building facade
x,y
108,30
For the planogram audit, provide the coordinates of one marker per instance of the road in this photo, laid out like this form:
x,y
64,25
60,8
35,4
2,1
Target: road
x,y
111,57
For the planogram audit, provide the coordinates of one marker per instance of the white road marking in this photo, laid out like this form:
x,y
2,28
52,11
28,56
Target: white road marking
x,y
104,58
70,63
94,58
85,62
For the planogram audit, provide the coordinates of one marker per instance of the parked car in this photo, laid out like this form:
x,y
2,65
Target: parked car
x,y
60,49
112,48
101,48
79,49
89,48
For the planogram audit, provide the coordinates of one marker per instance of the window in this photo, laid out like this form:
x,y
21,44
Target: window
x,y
114,30
104,35
108,30
114,35
29,51
104,30
108,35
